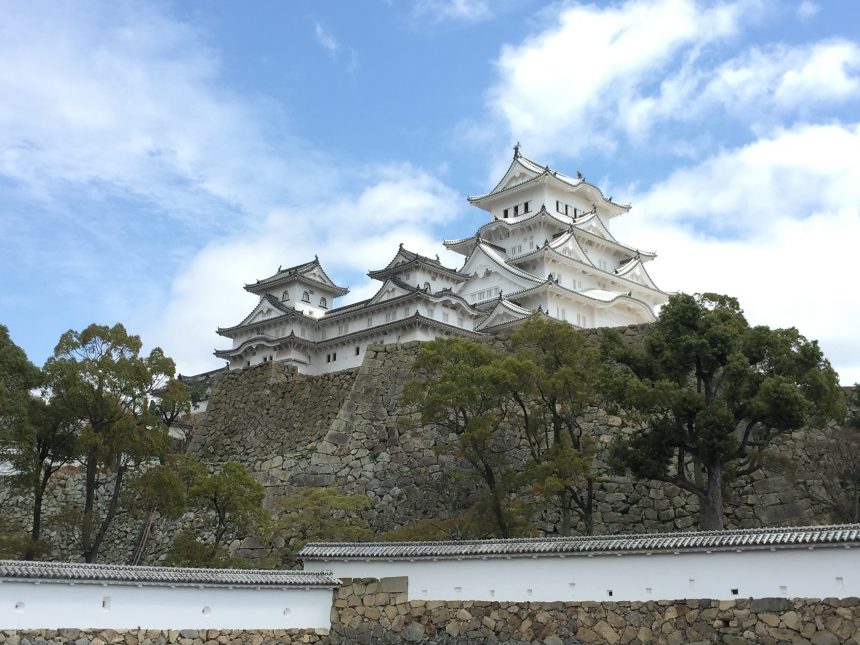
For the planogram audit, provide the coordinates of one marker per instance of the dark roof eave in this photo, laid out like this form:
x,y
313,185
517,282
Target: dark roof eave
x,y
79,573
844,535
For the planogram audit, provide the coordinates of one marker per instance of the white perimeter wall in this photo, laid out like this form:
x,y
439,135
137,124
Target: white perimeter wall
x,y
819,573
26,605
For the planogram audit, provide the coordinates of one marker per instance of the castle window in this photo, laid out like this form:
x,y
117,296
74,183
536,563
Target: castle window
x,y
357,351
333,357
526,207
323,303
558,206
566,209
306,297
285,296
516,210
426,286
506,213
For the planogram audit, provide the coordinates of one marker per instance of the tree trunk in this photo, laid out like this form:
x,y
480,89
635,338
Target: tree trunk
x,y
711,511
498,511
89,506
564,528
108,520
143,538
38,496
588,515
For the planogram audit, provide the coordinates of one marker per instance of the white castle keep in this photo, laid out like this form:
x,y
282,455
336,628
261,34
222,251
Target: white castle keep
x,y
546,248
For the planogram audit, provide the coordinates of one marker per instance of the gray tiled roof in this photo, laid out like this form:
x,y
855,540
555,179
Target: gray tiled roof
x,y
161,576
803,537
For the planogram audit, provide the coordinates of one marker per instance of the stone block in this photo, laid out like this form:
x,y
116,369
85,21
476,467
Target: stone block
x,y
772,605
394,584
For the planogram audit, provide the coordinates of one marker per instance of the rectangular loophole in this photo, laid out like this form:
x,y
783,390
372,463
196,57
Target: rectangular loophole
x,y
734,592
106,603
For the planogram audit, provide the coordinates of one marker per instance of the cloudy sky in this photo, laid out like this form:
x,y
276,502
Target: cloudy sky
x,y
156,156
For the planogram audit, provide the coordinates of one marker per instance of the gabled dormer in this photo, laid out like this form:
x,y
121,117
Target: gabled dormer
x,y
527,186
305,287
418,270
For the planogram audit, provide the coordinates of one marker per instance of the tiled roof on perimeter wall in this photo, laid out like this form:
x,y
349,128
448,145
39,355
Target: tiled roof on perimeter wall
x,y
11,570
846,535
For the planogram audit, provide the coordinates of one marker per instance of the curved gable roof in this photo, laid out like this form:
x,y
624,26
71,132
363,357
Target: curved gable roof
x,y
309,272
512,271
405,259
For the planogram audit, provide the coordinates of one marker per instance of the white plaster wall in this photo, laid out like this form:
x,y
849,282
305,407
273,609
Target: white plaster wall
x,y
534,196
819,573
51,606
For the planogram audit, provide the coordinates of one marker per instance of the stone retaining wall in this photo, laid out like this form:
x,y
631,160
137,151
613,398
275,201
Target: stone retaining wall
x,y
378,611
371,445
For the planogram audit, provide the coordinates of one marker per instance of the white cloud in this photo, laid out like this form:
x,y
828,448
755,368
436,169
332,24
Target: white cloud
x,y
129,100
561,89
325,39
352,233
467,11
774,223
594,75
758,87
807,9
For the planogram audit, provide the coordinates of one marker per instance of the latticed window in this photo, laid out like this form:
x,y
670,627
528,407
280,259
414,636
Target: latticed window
x,y
323,303
306,297
285,296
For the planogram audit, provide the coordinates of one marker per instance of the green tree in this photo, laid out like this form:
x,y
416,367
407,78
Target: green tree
x,y
44,444
18,376
230,504
553,378
459,388
99,375
161,491
37,438
171,400
320,515
708,393
854,407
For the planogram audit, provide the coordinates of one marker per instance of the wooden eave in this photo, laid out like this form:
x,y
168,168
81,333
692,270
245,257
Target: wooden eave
x,y
382,274
271,341
261,287
580,295
286,312
601,273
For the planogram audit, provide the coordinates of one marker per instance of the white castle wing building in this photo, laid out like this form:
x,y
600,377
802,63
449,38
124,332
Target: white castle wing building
x,y
546,248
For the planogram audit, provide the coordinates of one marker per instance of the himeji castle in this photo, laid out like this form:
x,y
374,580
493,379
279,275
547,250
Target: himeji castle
x,y
546,248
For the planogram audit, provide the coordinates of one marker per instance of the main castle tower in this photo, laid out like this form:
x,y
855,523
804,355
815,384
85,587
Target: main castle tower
x,y
547,248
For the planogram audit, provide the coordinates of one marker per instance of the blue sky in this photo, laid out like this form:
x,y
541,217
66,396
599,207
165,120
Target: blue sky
x,y
156,156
